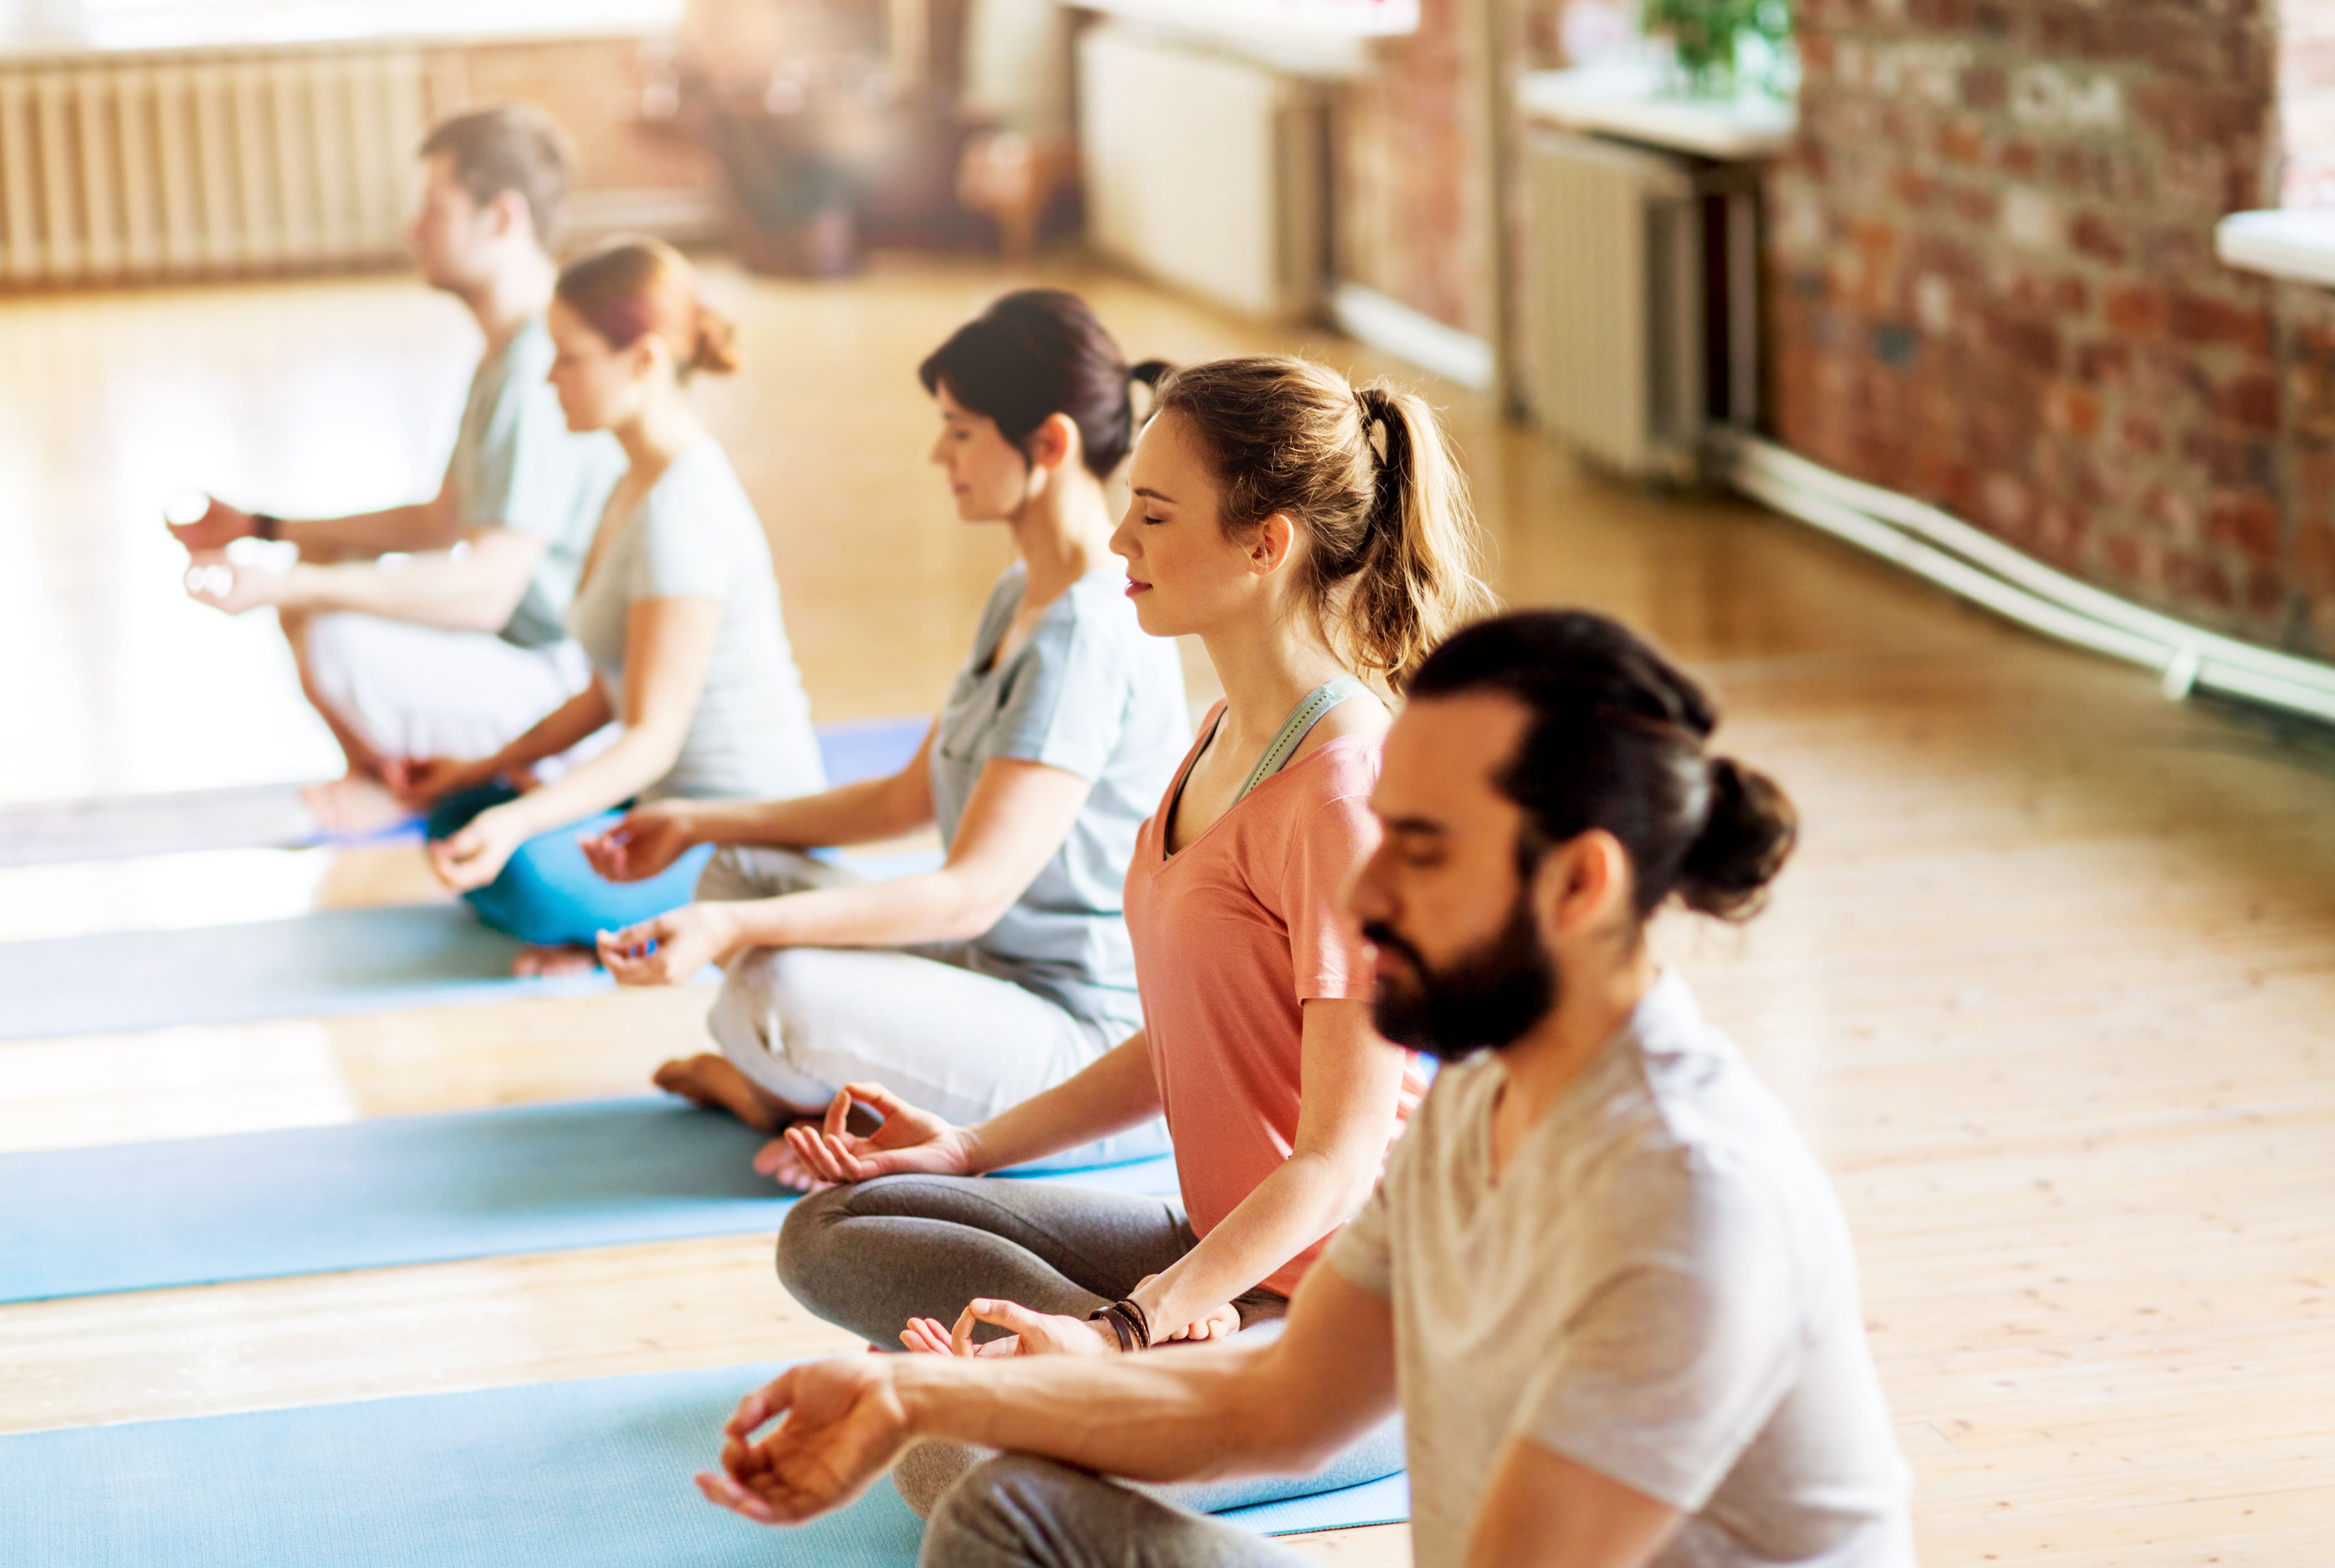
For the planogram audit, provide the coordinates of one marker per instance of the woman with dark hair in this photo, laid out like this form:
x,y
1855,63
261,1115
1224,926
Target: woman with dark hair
x,y
1316,538
1009,969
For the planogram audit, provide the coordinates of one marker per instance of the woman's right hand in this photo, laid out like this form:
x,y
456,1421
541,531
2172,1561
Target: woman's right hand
x,y
910,1141
420,782
649,839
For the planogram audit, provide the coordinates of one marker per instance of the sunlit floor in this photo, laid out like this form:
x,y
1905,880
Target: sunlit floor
x,y
2047,986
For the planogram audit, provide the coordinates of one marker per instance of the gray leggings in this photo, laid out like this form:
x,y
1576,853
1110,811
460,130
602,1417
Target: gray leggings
x,y
1015,1511
871,1256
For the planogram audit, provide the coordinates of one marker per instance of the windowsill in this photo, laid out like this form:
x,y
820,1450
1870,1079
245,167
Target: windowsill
x,y
1626,100
276,23
2297,246
1327,38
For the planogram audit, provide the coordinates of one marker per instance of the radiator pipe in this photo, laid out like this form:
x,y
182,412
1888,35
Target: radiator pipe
x,y
1984,570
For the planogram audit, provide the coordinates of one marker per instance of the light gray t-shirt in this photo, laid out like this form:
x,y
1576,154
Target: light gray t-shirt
x,y
516,465
694,535
1661,1288
1088,693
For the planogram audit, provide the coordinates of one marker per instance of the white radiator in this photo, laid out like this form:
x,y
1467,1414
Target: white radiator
x,y
200,165
1207,172
1614,301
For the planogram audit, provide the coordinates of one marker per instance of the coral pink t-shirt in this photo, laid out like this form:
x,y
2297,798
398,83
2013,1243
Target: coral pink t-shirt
x,y
1233,933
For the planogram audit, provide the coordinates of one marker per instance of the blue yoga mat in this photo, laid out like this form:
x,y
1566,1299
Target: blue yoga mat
x,y
395,1191
577,1475
271,815
331,961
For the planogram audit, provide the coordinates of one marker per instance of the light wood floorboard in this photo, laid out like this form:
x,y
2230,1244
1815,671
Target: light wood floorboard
x,y
2047,986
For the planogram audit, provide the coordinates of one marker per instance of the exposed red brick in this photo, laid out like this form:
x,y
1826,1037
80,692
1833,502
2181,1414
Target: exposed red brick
x,y
2200,319
2099,237
2250,401
2072,409
2019,159
2247,523
2099,387
2135,309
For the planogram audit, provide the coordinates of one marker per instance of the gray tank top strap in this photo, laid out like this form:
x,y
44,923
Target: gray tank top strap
x,y
1300,724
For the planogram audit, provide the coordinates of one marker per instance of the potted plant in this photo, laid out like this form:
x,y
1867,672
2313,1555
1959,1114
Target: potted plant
x,y
1718,45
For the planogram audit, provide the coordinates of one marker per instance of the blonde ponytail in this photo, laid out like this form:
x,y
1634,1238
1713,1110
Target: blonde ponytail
x,y
1368,475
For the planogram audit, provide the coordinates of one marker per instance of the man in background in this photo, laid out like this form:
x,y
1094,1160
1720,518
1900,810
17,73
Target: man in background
x,y
457,646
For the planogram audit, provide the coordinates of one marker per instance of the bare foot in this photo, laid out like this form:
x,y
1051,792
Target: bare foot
x,y
715,1083
355,804
555,961
777,1159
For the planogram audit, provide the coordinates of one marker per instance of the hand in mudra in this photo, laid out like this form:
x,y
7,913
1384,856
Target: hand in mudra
x,y
1028,1333
647,840
910,1141
840,1425
672,947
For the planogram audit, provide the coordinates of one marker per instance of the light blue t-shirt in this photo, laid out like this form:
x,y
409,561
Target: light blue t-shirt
x,y
1089,693
516,465
694,535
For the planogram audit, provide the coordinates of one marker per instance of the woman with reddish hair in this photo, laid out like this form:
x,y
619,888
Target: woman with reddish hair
x,y
678,610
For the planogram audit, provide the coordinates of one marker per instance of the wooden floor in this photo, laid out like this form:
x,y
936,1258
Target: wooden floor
x,y
2049,986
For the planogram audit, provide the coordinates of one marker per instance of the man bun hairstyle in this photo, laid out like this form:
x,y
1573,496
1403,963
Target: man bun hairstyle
x,y
629,289
1618,739
1041,351
1367,473
509,147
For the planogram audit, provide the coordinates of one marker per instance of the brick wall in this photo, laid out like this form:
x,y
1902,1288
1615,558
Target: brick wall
x,y
1412,168
1995,289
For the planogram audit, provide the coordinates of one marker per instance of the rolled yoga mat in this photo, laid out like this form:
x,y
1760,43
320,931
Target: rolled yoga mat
x,y
271,815
398,1190
576,1473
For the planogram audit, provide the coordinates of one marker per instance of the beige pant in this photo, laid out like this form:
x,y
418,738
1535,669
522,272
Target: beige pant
x,y
409,691
803,1021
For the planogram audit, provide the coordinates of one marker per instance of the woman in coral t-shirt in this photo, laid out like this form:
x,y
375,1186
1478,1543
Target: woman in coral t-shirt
x,y
1312,535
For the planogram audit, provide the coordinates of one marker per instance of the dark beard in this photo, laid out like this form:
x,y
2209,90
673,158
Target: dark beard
x,y
1484,1000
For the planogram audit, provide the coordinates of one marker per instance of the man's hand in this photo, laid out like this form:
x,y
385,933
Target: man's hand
x,y
1028,1333
478,854
841,1424
645,842
672,948
910,1141
219,526
233,586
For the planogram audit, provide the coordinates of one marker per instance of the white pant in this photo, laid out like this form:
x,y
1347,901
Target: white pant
x,y
803,1021
411,690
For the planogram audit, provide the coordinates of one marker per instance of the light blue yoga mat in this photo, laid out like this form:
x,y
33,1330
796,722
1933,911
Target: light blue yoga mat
x,y
333,960
271,815
394,1191
575,1475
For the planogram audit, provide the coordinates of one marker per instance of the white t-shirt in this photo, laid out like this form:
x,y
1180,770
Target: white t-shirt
x,y
694,535
1660,1287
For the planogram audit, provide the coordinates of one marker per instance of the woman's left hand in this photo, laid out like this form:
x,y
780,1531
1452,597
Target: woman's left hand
x,y
1028,1333
1220,1322
233,586
477,854
672,948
